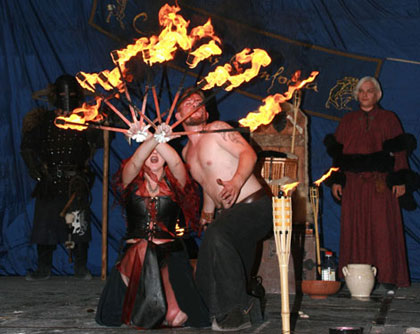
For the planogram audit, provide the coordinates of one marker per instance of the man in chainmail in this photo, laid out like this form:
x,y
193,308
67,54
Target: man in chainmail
x,y
58,160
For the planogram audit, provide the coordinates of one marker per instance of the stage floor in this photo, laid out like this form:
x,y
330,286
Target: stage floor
x,y
67,305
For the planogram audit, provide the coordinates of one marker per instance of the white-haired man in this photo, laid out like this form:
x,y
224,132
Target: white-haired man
x,y
367,146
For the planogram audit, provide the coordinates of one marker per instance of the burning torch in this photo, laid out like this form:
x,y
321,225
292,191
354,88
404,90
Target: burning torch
x,y
282,227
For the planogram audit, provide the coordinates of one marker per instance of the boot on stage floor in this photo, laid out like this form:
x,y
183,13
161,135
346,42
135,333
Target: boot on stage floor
x,y
80,261
43,272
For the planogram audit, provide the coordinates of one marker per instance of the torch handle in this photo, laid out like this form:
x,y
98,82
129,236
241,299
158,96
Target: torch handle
x,y
71,199
285,309
314,196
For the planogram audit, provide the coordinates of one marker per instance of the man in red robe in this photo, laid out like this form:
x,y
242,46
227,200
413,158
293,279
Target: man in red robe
x,y
370,149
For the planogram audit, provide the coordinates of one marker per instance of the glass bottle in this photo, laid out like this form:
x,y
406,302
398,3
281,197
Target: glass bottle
x,y
328,267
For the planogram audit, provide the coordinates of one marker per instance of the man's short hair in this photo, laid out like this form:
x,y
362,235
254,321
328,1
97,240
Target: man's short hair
x,y
372,80
189,91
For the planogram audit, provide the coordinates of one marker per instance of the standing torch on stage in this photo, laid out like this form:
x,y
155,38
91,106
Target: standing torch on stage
x,y
314,197
282,226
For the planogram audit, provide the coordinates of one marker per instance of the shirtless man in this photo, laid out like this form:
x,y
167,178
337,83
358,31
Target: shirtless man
x,y
223,164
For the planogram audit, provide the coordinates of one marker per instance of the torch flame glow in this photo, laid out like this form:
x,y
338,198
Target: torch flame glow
x,y
179,231
271,105
326,175
222,74
80,115
289,187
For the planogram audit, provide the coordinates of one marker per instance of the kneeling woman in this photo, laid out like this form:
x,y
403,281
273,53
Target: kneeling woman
x,y
152,283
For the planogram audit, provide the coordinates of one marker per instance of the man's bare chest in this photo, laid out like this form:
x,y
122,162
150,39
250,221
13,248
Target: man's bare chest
x,y
201,158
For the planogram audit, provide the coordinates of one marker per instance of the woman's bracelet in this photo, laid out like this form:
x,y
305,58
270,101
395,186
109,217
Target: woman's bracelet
x,y
207,217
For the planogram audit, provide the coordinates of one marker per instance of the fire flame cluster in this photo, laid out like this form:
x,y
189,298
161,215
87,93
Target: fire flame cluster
x,y
223,74
86,113
200,43
272,104
159,49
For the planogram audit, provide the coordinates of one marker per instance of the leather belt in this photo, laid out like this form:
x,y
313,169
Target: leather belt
x,y
255,196
64,170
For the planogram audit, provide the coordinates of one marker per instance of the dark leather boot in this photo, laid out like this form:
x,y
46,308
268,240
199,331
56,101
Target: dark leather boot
x,y
80,261
45,253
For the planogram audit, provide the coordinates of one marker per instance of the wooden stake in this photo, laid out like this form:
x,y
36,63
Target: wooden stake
x,y
174,102
125,120
143,107
105,206
156,104
314,197
296,104
71,199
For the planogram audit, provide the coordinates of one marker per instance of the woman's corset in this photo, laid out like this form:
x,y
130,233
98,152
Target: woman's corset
x,y
151,217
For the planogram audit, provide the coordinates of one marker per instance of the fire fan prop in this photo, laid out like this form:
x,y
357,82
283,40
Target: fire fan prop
x,y
199,44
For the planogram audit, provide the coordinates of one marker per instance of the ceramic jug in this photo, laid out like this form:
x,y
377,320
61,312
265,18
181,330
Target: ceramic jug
x,y
360,279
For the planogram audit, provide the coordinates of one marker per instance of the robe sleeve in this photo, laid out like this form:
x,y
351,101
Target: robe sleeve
x,y
395,129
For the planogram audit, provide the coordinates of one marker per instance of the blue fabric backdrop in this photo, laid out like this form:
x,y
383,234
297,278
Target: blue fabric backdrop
x,y
41,39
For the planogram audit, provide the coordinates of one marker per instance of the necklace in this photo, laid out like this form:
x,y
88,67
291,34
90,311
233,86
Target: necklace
x,y
149,186
150,189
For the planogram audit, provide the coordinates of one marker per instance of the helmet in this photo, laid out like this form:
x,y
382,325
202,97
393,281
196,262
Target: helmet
x,y
68,95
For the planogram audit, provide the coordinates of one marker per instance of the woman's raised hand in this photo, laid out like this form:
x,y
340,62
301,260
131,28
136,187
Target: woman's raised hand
x,y
138,133
163,133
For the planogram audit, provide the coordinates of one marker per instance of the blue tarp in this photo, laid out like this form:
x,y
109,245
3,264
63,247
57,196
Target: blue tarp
x,y
41,39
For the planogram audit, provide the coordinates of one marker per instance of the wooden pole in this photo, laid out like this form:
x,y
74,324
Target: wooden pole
x,y
105,206
156,104
314,196
171,110
296,104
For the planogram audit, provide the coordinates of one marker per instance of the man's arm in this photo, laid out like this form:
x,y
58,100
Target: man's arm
x,y
398,190
337,191
207,211
32,141
236,145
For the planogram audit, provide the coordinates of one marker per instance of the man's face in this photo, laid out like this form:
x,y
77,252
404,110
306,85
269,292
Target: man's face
x,y
367,96
188,105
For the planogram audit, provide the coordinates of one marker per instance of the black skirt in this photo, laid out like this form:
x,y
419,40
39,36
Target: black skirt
x,y
150,304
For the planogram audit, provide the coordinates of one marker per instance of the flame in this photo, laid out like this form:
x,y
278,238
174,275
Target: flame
x,y
222,74
271,105
179,231
80,116
107,79
289,187
110,79
326,175
204,52
158,49
203,31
